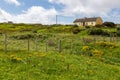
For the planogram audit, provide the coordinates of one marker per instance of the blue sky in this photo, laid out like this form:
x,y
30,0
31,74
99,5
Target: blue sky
x,y
45,11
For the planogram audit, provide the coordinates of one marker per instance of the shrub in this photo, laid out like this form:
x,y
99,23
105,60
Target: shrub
x,y
105,33
98,32
109,24
75,30
118,33
95,31
118,28
87,27
51,43
99,25
74,26
26,36
0,33
34,30
107,44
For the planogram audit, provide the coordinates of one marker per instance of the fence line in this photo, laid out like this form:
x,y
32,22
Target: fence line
x,y
58,45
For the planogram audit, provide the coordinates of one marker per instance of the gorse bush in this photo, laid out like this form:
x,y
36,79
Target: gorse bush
x,y
14,58
95,31
106,44
25,36
98,31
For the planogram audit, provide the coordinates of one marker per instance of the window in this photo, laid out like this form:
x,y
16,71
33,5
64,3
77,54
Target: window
x,y
92,23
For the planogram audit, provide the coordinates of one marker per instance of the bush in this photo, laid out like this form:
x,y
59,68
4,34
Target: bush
x,y
74,26
109,24
75,30
118,28
87,27
118,33
26,36
105,33
98,32
0,33
99,25
95,31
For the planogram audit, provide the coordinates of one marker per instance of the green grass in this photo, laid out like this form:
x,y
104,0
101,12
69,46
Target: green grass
x,y
55,66
75,62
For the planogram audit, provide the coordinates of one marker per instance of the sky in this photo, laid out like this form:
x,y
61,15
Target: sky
x,y
45,11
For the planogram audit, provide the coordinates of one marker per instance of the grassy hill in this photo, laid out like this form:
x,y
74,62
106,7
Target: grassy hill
x,y
82,57
55,66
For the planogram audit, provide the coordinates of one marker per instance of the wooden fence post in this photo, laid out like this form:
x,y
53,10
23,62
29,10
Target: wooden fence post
x,y
94,40
104,38
5,42
110,38
46,46
36,43
59,46
28,44
71,46
83,43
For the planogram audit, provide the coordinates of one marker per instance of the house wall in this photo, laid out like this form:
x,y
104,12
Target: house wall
x,y
79,23
93,23
99,21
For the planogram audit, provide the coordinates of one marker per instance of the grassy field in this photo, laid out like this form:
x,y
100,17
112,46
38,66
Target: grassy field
x,y
55,53
54,66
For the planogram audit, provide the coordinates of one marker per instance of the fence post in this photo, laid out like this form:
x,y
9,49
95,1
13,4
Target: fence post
x,y
117,38
28,44
36,47
5,42
59,46
94,40
103,38
46,46
83,43
71,46
110,38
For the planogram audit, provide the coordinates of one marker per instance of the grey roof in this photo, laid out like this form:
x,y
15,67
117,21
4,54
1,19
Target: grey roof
x,y
86,19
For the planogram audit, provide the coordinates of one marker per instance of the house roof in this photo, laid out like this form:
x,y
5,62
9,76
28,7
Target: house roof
x,y
86,19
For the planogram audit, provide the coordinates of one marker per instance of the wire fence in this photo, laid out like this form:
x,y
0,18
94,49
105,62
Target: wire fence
x,y
52,44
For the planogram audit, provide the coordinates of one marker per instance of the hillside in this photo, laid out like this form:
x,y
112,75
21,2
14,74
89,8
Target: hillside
x,y
55,66
58,52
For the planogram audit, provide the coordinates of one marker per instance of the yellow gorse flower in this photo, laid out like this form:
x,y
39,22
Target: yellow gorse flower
x,y
15,58
106,44
97,53
85,48
42,54
36,54
18,59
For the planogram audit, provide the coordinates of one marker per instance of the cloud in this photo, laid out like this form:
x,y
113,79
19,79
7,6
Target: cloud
x,y
16,2
4,16
87,7
35,14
